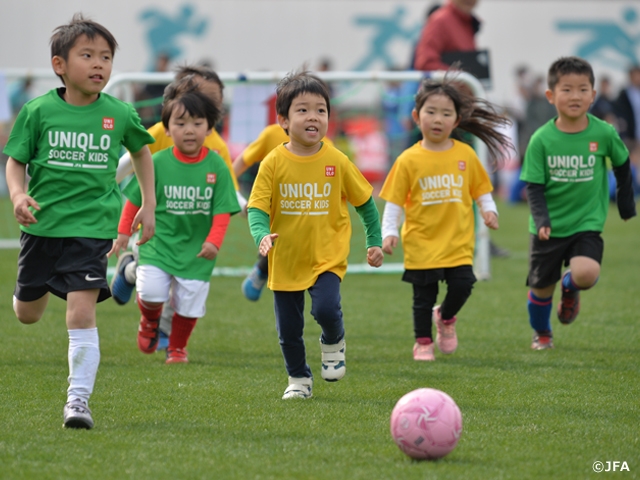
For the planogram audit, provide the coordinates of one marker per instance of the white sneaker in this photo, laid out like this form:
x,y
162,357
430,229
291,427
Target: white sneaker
x,y
333,366
77,415
299,387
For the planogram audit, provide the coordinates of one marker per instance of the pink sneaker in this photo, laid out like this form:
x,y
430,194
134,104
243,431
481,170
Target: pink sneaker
x,y
423,352
446,338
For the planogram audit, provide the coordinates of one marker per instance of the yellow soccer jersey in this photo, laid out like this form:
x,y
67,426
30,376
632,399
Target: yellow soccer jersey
x,y
272,136
306,200
213,142
437,190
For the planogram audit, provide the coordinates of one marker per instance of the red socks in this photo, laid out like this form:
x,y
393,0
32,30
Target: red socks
x,y
181,328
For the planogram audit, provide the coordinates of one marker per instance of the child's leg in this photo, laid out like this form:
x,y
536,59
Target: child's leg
x,y
30,312
327,311
189,298
424,298
584,273
539,303
84,348
289,310
153,286
460,282
326,308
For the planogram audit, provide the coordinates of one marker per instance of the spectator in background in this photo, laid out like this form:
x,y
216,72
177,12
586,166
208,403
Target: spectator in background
x,y
20,93
603,107
153,92
450,28
627,109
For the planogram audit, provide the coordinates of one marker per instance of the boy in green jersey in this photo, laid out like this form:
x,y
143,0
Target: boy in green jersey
x,y
196,198
566,174
70,139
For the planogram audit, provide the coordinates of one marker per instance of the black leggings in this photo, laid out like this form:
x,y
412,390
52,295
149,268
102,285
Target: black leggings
x,y
459,282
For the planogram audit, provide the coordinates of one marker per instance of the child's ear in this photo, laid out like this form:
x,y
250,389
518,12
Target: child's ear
x,y
549,95
283,122
414,115
58,65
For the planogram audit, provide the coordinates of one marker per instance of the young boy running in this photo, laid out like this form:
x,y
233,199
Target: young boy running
x,y
196,198
70,139
124,280
566,174
298,217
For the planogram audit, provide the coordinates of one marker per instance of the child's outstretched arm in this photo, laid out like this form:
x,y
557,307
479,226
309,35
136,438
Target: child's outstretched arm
x,y
143,167
391,220
539,210
624,191
489,210
370,218
259,227
16,174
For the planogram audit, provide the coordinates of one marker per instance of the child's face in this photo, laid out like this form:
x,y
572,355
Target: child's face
x,y
436,119
188,133
572,96
87,68
308,120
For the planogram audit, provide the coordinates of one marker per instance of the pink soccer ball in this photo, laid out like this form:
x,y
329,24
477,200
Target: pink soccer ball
x,y
426,424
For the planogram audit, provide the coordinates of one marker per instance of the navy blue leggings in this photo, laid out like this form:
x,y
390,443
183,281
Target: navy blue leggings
x,y
325,308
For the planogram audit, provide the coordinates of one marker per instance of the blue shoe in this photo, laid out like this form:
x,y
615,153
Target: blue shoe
x,y
254,283
163,341
121,289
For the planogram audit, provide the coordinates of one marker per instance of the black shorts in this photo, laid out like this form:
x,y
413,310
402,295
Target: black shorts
x,y
546,258
434,275
60,266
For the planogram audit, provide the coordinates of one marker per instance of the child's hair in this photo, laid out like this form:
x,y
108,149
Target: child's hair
x,y
64,37
294,85
476,115
567,66
201,71
185,94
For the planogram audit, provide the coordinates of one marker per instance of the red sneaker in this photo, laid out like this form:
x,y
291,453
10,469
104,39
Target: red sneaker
x,y
148,335
569,306
542,342
176,355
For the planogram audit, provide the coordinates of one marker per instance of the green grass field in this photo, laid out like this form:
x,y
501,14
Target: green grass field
x,y
527,414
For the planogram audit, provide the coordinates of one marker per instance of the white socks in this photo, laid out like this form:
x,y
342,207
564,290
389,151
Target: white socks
x,y
84,358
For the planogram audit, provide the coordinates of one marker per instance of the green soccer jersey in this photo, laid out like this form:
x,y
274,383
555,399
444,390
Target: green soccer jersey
x,y
72,154
573,169
188,196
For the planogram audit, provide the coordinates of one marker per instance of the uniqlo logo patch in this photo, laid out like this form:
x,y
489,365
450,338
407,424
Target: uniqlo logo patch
x,y
462,165
211,178
108,123
329,171
593,146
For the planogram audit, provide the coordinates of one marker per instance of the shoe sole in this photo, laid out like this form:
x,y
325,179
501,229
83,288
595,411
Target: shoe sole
x,y
77,423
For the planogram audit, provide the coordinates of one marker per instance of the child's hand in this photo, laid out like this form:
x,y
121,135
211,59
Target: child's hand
x,y
147,217
21,204
266,244
490,220
544,233
389,243
209,251
375,256
119,244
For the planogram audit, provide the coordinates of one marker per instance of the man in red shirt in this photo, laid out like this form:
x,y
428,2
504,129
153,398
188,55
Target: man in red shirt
x,y
451,28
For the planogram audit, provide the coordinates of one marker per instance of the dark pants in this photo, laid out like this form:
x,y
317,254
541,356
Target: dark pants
x,y
459,282
325,308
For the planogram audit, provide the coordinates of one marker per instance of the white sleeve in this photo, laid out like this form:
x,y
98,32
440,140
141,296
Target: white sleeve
x,y
241,200
125,167
392,218
486,203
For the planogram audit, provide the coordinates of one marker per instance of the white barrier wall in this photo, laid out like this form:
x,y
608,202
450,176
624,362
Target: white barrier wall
x,y
237,35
